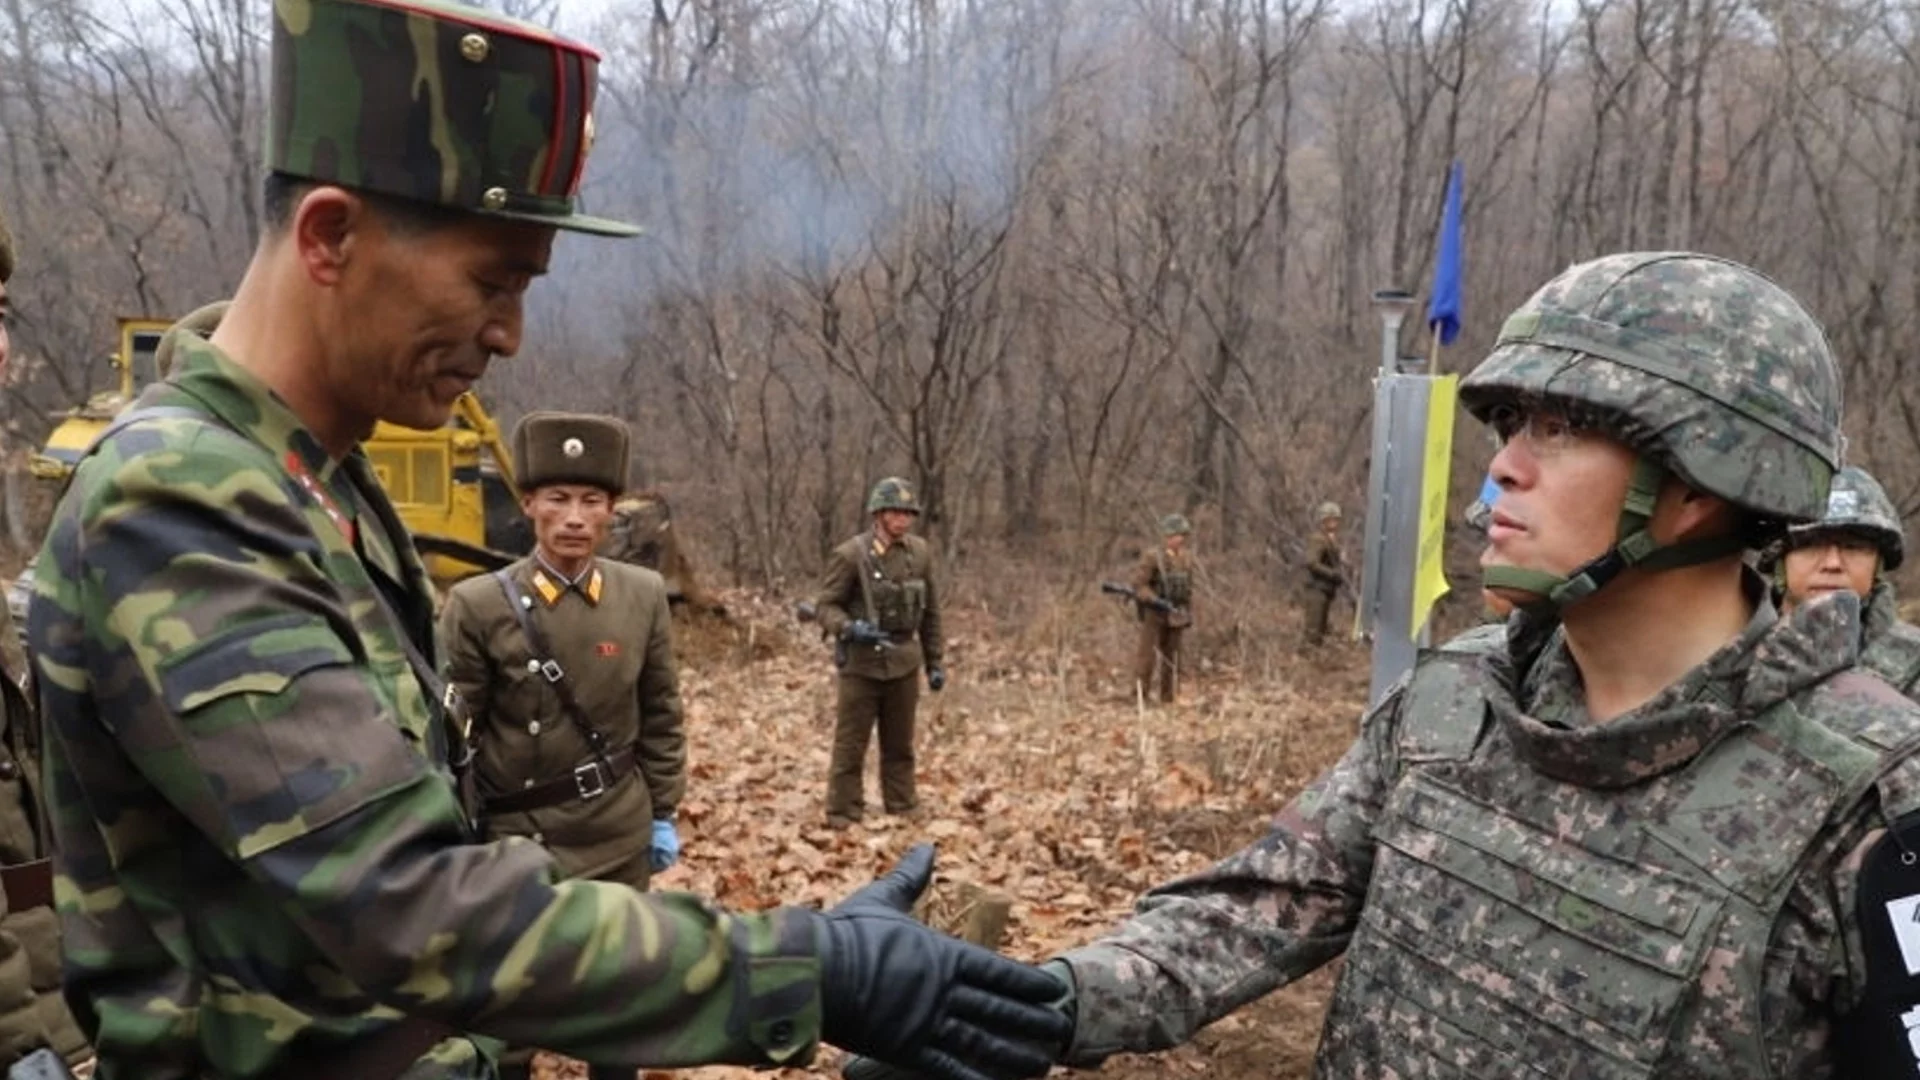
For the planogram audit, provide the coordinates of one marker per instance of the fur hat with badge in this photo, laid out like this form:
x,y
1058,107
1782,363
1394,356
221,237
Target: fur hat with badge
x,y
571,448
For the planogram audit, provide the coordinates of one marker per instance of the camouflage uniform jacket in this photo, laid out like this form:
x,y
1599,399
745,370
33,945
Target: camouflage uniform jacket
x,y
905,603
612,637
261,857
1890,646
1519,891
1326,563
1164,574
32,1011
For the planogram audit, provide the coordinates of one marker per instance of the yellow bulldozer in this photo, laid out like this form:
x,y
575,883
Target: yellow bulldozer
x,y
453,487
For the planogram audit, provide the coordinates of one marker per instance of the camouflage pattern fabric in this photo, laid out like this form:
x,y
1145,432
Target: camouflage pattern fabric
x,y
1857,504
434,102
1703,364
261,855
1889,645
1175,525
1519,891
893,493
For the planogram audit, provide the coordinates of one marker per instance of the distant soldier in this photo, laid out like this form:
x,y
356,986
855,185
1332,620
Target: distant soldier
x,y
1326,573
32,1012
566,662
1852,548
878,599
1163,579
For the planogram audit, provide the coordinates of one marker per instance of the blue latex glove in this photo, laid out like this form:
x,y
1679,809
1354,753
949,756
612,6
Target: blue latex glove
x,y
665,850
936,679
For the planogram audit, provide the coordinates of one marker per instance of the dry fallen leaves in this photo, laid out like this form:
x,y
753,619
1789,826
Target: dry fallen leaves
x,y
1040,778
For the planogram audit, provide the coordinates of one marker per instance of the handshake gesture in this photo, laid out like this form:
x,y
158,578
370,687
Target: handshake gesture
x,y
933,1006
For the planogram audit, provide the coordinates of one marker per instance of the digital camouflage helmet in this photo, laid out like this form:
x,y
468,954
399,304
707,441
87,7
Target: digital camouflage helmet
x,y
434,102
1175,525
893,493
1703,366
1857,504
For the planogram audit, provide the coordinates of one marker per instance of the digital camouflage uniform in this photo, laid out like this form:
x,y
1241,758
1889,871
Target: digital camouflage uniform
x,y
1519,890
1326,573
33,1013
1889,646
893,587
1162,574
611,635
262,860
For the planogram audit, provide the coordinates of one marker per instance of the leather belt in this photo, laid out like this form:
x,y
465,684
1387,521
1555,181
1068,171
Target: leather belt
x,y
28,885
585,783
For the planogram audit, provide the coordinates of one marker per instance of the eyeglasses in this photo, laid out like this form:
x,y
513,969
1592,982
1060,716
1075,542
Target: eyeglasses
x,y
1546,431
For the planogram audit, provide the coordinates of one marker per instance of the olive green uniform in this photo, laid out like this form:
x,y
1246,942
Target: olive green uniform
x,y
32,1011
1326,572
1162,574
893,587
610,634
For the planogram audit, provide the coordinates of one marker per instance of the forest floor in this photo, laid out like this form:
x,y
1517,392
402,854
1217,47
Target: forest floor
x,y
1040,779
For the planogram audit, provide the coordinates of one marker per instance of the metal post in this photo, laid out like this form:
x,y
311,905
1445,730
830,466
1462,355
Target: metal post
x,y
1390,651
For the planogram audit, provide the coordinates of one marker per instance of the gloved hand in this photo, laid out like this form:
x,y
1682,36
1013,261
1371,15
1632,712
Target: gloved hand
x,y
665,848
859,1067
936,678
893,989
862,632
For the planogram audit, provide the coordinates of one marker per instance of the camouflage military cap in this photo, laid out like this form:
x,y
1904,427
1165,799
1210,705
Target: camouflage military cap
x,y
1858,504
1175,525
893,493
1700,363
6,251
571,448
1327,510
434,102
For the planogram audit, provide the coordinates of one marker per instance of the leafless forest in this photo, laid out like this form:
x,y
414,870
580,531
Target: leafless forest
x,y
1070,263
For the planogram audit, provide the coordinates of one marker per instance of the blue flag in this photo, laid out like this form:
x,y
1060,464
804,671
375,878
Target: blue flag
x,y
1443,307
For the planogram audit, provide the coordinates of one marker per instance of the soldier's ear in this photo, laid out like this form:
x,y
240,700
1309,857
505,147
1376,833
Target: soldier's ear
x,y
330,226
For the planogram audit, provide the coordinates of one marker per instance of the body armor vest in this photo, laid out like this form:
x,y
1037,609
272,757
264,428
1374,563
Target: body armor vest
x,y
1516,925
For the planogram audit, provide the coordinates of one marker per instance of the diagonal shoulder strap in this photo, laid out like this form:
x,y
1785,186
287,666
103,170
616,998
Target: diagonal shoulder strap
x,y
550,668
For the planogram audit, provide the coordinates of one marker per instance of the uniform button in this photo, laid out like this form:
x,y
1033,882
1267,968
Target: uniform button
x,y
533,665
8,769
533,727
527,783
781,1032
539,838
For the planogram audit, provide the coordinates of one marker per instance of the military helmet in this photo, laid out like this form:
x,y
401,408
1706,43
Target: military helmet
x,y
893,493
6,251
1858,504
437,102
1175,525
1701,363
1703,366
1327,510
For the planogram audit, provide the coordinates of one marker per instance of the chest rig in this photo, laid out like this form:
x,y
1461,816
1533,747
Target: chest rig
x,y
1520,926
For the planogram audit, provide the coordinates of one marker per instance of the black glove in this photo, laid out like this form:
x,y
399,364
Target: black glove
x,y
893,989
936,678
862,632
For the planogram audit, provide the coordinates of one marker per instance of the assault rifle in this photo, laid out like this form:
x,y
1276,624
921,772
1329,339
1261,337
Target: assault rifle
x,y
1158,603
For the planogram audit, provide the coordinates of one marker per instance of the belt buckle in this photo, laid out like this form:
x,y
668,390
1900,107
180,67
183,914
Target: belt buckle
x,y
590,780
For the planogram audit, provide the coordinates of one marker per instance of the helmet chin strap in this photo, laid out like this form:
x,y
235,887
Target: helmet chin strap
x,y
1633,546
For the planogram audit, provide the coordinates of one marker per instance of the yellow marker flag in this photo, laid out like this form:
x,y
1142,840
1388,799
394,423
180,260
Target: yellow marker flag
x,y
1430,572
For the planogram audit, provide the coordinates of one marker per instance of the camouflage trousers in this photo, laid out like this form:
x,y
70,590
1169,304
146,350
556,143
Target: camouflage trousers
x,y
1156,654
1319,612
864,704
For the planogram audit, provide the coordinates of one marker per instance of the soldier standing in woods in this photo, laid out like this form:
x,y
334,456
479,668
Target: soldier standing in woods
x,y
1326,573
565,661
265,867
1648,828
1164,574
1852,548
879,601
33,1015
